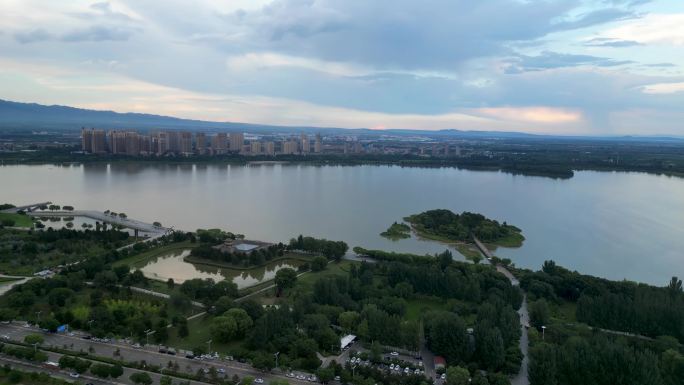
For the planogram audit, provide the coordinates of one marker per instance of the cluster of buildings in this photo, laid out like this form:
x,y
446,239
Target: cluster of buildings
x,y
96,141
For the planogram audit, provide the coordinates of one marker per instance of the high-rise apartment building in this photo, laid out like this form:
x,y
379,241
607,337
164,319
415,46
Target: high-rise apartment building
x,y
269,148
318,144
99,142
185,145
255,147
200,143
237,141
289,147
218,143
131,143
304,140
87,140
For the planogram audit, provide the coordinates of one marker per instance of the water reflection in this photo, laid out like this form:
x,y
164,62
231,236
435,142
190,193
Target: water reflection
x,y
173,265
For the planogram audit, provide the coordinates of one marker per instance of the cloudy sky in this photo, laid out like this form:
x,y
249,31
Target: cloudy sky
x,y
604,67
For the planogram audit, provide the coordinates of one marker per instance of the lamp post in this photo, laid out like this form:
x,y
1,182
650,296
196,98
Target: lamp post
x,y
543,331
209,346
276,358
148,332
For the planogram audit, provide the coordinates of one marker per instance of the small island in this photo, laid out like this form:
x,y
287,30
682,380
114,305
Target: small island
x,y
397,231
446,226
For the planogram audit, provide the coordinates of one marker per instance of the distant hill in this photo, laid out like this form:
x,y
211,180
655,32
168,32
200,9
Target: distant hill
x,y
32,116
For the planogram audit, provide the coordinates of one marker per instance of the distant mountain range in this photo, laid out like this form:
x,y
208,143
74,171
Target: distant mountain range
x,y
16,115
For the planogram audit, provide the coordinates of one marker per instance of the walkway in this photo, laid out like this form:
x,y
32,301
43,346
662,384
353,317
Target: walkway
x,y
102,217
522,377
25,207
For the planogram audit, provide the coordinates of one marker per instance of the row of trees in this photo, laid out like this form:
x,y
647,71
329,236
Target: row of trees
x,y
330,249
254,258
603,360
617,305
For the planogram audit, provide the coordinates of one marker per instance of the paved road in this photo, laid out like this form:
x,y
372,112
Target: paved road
x,y
522,377
148,354
4,288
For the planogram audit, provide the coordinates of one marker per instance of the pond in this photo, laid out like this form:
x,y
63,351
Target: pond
x,y
173,265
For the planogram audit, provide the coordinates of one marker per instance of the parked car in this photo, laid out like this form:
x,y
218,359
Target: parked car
x,y
259,381
74,375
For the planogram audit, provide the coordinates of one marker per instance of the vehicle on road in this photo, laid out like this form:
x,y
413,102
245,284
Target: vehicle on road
x,y
74,375
394,354
259,380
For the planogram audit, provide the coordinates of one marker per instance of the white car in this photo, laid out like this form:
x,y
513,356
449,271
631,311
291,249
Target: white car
x,y
391,366
74,375
443,376
221,370
291,375
259,381
407,370
417,371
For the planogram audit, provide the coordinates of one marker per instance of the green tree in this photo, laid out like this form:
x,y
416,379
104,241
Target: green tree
x,y
318,263
183,328
32,339
141,378
348,320
539,313
165,380
263,361
116,371
223,329
285,278
101,370
325,375
242,320
457,375
542,366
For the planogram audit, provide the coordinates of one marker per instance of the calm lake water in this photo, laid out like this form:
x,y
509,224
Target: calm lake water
x,y
173,265
615,225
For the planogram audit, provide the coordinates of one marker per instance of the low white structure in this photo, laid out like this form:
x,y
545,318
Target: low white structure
x,y
346,341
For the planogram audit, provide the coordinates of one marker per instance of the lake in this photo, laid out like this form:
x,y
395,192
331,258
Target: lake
x,y
615,225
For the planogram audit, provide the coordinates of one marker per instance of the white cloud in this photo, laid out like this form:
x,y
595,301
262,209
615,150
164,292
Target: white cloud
x,y
663,88
665,29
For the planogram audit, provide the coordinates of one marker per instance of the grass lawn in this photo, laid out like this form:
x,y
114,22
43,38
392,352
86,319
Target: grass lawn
x,y
19,220
564,312
304,283
416,308
199,335
139,260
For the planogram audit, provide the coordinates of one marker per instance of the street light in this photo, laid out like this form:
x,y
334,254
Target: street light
x,y
209,346
147,336
276,357
543,331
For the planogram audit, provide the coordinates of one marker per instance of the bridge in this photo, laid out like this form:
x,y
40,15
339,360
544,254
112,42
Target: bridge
x,y
105,218
30,207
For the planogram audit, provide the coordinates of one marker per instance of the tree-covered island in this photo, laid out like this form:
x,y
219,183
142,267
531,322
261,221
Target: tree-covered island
x,y
446,226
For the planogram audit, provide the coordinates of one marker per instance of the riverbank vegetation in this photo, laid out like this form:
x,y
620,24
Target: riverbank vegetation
x,y
444,225
622,332
397,231
27,252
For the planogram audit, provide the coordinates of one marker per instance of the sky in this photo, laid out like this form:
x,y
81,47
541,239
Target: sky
x,y
571,67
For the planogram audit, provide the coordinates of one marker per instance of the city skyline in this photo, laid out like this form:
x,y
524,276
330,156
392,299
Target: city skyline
x,y
555,67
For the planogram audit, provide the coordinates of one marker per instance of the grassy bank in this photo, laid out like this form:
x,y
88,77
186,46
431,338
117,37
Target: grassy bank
x,y
139,260
222,265
19,219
